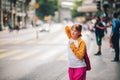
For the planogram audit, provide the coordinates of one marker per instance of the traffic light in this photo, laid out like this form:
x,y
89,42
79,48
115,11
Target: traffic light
x,y
105,4
5,19
98,4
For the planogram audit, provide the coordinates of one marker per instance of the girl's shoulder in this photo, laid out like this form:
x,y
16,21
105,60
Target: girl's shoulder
x,y
80,40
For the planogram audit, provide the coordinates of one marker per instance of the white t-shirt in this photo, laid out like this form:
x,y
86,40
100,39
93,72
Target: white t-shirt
x,y
73,61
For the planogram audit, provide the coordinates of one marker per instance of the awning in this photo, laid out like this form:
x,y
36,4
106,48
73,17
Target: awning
x,y
87,8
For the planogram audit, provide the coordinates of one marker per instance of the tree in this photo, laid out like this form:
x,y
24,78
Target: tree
x,y
27,2
13,1
74,11
46,8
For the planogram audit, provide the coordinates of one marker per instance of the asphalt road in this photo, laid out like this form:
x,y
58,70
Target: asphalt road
x,y
27,55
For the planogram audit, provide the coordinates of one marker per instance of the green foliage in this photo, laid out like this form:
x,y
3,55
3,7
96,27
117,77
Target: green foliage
x,y
74,11
27,2
47,7
99,13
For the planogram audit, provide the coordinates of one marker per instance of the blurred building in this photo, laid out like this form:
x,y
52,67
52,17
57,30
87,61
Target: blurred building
x,y
4,14
113,6
16,11
88,6
64,10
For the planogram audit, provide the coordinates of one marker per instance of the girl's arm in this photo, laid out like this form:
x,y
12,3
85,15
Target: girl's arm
x,y
67,30
78,51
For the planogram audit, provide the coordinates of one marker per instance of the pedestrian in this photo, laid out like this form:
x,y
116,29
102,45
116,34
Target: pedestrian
x,y
99,33
10,28
76,53
91,29
16,27
114,37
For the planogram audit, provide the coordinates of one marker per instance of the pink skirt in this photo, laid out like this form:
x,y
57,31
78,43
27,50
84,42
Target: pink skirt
x,y
77,73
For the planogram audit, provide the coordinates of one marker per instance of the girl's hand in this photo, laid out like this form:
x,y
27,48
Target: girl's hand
x,y
72,45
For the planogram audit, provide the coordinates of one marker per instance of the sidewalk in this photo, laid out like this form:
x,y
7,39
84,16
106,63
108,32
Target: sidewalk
x,y
102,66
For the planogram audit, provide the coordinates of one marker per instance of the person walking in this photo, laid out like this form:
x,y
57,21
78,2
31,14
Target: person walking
x,y
10,28
16,27
114,37
99,33
76,53
91,29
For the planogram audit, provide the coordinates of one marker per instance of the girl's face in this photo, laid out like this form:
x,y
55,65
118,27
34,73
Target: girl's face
x,y
74,33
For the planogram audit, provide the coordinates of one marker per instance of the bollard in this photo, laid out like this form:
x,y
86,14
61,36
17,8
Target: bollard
x,y
37,36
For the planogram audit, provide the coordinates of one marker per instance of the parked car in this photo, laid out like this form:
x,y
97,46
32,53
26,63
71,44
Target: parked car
x,y
44,27
39,23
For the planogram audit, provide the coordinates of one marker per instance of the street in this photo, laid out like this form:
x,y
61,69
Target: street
x,y
28,55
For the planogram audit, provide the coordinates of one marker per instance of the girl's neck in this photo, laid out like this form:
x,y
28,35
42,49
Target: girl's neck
x,y
75,38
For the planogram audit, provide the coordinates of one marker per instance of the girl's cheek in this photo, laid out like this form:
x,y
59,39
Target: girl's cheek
x,y
71,32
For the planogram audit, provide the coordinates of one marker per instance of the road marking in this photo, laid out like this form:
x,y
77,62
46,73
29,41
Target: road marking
x,y
4,42
2,50
15,42
10,42
24,55
29,42
9,53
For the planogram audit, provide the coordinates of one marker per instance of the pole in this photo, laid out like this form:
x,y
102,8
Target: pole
x,y
37,35
23,21
1,14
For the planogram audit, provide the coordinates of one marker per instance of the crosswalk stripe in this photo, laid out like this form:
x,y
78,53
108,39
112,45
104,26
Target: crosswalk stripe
x,y
29,42
4,42
23,55
16,42
9,53
2,50
10,42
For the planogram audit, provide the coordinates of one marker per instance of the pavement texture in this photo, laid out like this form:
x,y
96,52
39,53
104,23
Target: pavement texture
x,y
102,66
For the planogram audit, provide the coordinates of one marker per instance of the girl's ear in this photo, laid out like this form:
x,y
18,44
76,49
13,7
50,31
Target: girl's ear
x,y
80,34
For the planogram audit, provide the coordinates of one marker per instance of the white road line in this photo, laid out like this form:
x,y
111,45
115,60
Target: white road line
x,y
24,55
9,53
2,50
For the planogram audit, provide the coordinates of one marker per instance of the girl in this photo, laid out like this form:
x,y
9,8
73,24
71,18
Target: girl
x,y
76,52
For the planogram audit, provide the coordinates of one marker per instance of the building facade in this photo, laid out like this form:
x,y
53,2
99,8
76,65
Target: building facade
x,y
16,12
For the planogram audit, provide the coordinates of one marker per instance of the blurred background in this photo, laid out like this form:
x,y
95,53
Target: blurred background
x,y
33,42
28,13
